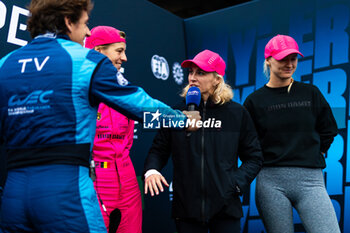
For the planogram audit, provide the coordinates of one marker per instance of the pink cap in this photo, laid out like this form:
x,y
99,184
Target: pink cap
x,y
101,35
281,46
207,61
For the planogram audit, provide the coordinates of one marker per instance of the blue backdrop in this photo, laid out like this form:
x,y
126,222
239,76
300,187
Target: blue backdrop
x,y
321,29
158,41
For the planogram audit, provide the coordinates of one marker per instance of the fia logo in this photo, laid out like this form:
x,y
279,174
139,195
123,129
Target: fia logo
x,y
160,67
178,73
151,120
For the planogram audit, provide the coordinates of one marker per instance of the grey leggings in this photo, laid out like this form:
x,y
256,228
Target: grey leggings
x,y
278,189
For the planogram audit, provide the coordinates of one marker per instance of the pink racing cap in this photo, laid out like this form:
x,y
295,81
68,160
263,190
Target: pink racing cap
x,y
281,46
101,35
207,61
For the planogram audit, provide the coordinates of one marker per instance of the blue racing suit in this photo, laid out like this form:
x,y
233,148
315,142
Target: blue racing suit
x,y
49,93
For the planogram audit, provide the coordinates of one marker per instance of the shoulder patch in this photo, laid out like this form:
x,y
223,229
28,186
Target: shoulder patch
x,y
121,80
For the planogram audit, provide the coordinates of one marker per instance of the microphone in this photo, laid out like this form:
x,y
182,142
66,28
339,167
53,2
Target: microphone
x,y
193,98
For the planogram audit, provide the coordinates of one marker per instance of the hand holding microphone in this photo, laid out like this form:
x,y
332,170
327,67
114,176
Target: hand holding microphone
x,y
193,98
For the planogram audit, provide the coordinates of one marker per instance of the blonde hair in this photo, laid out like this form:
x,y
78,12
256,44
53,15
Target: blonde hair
x,y
222,94
267,74
266,70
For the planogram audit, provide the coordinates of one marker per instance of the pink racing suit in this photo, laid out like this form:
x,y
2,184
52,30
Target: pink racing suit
x,y
116,182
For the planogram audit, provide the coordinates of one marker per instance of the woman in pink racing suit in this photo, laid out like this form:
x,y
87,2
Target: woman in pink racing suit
x,y
116,183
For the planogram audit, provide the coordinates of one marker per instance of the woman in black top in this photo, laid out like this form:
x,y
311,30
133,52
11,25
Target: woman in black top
x,y
296,127
207,180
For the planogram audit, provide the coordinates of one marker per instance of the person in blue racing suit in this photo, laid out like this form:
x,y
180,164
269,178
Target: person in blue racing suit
x,y
49,93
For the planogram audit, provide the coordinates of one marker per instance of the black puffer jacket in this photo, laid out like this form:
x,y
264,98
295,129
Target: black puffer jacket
x,y
206,175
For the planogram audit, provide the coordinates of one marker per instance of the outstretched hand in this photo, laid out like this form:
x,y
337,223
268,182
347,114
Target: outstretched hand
x,y
153,183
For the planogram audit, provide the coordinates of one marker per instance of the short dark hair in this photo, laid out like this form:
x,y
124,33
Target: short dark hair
x,y
48,15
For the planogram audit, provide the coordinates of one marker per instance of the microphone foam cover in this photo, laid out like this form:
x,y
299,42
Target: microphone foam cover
x,y
193,96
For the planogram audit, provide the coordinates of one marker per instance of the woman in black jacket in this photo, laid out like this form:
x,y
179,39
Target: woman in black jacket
x,y
207,181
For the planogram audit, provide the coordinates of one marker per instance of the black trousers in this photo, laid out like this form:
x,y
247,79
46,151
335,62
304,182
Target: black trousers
x,y
215,225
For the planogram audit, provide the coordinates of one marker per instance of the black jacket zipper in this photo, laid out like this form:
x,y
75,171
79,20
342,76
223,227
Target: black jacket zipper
x,y
202,170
